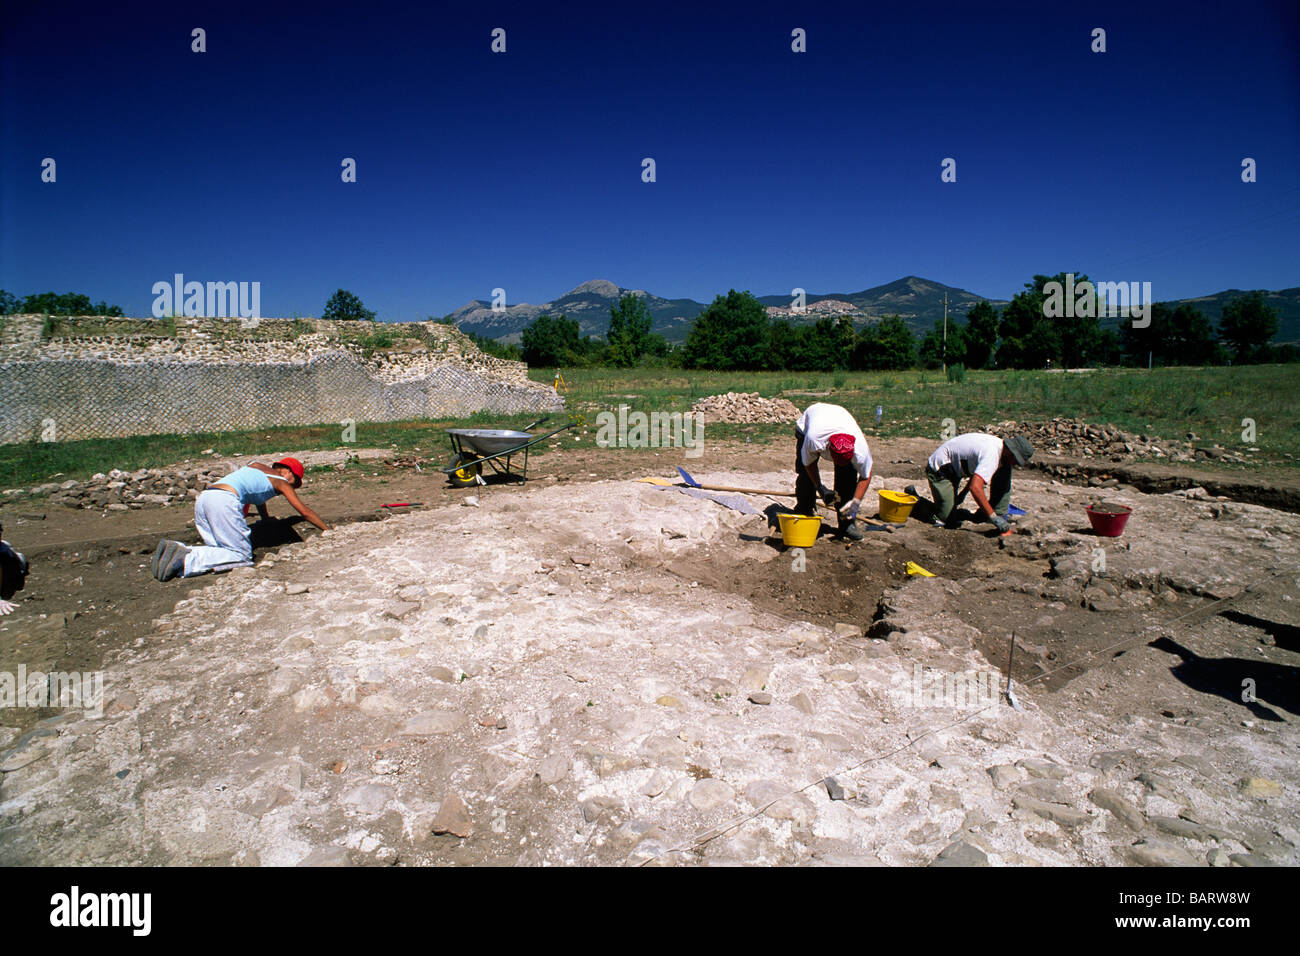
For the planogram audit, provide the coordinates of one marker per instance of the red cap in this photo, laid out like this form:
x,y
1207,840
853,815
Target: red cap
x,y
295,466
842,445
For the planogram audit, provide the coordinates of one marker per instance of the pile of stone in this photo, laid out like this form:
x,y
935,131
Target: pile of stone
x,y
1079,439
746,408
128,490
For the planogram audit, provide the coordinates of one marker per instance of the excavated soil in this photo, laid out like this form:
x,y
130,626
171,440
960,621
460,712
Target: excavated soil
x,y
591,670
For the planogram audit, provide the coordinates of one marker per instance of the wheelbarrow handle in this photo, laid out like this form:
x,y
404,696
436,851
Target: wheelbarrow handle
x,y
536,423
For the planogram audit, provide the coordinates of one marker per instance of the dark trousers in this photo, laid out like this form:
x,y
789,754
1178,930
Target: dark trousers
x,y
943,491
845,483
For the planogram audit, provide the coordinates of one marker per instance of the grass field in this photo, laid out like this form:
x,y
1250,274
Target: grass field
x,y
1165,402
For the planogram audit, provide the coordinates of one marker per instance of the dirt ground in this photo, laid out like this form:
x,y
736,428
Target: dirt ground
x,y
583,662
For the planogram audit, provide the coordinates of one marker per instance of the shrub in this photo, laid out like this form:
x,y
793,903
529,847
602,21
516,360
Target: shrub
x,y
957,373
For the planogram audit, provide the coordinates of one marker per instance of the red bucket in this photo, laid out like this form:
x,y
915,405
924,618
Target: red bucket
x,y
1108,520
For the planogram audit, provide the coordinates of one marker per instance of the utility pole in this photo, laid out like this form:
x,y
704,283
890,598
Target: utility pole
x,y
945,334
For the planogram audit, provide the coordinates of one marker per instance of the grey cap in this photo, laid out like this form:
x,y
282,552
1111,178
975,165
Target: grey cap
x,y
1020,449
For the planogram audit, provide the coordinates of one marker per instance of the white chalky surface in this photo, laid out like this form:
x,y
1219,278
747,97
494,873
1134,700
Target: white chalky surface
x,y
598,713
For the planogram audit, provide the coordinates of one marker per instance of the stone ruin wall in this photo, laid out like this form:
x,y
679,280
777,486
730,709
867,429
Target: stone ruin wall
x,y
101,377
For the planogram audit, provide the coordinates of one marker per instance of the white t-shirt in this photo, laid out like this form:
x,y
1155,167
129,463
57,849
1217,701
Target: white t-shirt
x,y
819,422
974,453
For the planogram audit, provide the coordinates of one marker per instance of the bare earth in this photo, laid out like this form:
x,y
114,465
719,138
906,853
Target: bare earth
x,y
592,670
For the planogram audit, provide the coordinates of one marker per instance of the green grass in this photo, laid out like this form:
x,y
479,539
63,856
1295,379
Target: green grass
x,y
35,463
1165,402
1169,402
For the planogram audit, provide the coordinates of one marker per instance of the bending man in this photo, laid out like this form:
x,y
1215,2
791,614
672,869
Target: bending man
x,y
986,460
219,517
828,431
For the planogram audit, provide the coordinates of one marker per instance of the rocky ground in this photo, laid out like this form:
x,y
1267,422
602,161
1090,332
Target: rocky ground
x,y
606,672
1071,436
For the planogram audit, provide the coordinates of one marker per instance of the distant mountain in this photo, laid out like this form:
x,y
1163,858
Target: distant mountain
x,y
918,301
588,304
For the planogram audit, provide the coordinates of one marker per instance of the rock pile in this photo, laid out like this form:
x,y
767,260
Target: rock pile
x,y
1073,437
746,408
128,490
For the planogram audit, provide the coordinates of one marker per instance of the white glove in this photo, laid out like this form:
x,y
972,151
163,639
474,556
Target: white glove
x,y
7,606
850,510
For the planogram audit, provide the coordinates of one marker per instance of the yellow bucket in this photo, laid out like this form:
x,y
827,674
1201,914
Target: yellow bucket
x,y
895,506
799,531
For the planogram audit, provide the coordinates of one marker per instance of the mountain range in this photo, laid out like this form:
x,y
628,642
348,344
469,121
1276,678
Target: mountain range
x,y
919,302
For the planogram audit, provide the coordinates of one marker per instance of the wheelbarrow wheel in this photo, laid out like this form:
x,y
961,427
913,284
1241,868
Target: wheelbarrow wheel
x,y
467,471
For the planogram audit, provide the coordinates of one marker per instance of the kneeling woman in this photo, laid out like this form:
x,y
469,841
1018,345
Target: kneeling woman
x,y
219,516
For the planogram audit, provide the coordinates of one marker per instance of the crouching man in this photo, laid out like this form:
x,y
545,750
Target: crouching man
x,y
829,431
986,460
219,517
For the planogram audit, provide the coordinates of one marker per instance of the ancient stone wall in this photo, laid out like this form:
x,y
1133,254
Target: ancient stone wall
x,y
95,378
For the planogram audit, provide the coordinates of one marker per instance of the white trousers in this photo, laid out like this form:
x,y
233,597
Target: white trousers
x,y
226,536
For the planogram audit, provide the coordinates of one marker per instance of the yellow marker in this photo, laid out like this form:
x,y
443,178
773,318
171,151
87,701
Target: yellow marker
x,y
914,568
560,385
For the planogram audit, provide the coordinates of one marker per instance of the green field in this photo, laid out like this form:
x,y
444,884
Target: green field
x,y
1165,402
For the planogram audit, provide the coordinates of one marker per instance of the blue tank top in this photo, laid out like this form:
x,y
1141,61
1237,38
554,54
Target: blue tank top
x,y
254,486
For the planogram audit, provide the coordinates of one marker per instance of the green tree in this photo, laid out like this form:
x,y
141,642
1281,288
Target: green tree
x,y
551,341
1108,348
1181,335
1080,336
887,344
1247,325
1030,339
784,345
67,303
980,335
343,306
629,335
824,346
8,303
1191,337
897,348
732,333
933,352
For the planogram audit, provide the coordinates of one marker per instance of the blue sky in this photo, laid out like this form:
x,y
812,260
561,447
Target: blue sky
x,y
523,170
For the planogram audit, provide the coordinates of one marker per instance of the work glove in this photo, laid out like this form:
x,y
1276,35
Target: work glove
x,y
1001,523
828,496
7,607
850,510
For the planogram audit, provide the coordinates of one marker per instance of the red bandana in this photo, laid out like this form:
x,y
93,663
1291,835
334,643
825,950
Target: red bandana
x,y
842,446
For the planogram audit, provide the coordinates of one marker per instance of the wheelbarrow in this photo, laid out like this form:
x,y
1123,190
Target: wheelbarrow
x,y
495,447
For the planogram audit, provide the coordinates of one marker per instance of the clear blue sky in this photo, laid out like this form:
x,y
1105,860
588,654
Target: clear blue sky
x,y
523,170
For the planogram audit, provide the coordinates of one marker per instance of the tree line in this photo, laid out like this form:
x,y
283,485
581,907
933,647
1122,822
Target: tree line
x,y
736,333
54,303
